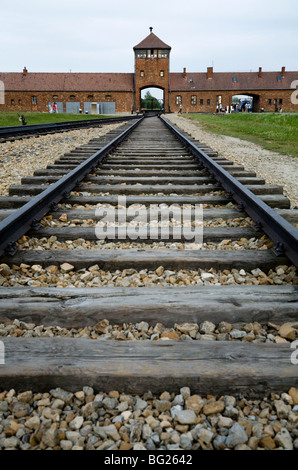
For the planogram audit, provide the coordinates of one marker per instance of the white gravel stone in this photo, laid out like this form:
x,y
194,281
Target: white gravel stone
x,y
186,417
283,439
76,423
237,435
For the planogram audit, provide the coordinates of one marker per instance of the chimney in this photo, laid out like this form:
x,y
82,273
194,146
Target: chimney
x,y
25,71
283,71
260,74
209,72
184,72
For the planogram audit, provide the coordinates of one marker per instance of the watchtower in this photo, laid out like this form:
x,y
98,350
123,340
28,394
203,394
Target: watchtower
x,y
152,66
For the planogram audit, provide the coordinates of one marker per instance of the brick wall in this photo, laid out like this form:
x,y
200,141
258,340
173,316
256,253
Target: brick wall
x,y
148,74
126,101
22,101
261,100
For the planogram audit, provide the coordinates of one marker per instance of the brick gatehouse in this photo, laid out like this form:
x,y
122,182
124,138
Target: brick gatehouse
x,y
109,93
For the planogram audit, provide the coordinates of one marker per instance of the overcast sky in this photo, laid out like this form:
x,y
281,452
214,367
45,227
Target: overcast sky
x,y
98,36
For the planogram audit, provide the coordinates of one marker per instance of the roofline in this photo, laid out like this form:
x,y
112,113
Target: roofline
x,y
165,48
229,89
71,91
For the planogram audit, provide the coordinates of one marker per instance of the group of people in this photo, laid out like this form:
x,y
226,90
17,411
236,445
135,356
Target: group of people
x,y
53,108
244,107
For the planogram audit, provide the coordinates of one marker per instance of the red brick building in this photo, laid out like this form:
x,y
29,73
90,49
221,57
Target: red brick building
x,y
109,93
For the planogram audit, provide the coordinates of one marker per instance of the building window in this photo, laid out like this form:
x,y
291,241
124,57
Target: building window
x,y
270,101
280,101
90,97
178,99
72,97
12,101
201,101
34,100
193,99
162,73
20,101
208,102
151,53
235,79
163,54
142,73
141,54
55,97
108,97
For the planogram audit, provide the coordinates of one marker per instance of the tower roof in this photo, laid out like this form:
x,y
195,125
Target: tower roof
x,y
152,42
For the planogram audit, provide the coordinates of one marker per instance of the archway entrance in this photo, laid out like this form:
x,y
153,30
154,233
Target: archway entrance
x,y
152,99
249,103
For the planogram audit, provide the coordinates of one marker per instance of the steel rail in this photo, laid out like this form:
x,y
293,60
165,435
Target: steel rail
x,y
28,216
15,131
281,232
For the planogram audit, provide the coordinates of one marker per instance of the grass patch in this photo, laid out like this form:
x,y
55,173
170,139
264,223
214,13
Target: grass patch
x,y
276,132
11,118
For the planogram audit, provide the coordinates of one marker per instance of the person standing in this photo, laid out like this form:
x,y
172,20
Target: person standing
x,y
22,120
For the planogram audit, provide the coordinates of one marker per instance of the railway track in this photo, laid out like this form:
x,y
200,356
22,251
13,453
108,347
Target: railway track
x,y
58,272
13,133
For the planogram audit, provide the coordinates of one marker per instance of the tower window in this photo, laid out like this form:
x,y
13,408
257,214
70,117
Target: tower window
x,y
151,53
162,73
142,73
193,99
141,54
163,54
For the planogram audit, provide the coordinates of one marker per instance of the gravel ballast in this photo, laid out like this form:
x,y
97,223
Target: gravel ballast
x,y
22,157
87,420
